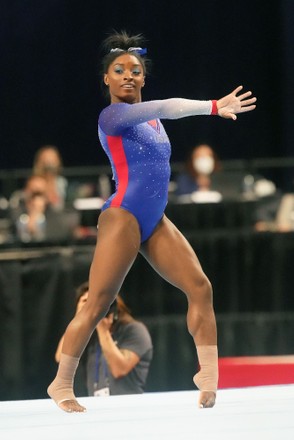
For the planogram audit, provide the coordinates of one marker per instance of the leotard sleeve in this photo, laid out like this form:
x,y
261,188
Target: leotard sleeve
x,y
117,117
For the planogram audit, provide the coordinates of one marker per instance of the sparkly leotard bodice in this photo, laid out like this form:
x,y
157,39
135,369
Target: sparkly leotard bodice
x,y
139,152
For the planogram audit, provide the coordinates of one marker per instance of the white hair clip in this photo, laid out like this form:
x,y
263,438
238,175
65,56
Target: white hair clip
x,y
138,50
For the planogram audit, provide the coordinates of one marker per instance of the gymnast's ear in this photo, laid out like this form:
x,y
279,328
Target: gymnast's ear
x,y
105,79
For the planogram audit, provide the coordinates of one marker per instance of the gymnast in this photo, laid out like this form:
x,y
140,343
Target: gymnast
x,y
133,221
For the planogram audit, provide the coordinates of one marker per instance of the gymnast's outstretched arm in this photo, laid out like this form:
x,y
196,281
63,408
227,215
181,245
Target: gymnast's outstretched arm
x,y
116,117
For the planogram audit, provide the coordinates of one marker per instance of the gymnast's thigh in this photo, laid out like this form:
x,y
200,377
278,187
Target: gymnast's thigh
x,y
172,256
118,243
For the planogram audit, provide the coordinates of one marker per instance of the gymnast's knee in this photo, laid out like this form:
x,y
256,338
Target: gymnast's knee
x,y
202,291
96,310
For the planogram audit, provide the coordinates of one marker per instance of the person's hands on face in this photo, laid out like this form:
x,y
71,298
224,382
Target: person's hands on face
x,y
35,195
105,323
36,205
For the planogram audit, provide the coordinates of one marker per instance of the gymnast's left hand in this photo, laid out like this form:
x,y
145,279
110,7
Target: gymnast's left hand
x,y
231,104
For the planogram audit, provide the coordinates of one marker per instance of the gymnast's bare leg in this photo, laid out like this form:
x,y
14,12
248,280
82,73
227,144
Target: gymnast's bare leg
x,y
118,243
173,258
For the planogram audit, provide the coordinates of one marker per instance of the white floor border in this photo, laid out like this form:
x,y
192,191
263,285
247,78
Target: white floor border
x,y
255,413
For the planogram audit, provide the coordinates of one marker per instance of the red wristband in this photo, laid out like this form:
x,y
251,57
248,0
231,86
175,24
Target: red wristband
x,y
214,110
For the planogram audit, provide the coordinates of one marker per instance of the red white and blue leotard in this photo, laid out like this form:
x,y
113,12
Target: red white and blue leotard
x,y
139,152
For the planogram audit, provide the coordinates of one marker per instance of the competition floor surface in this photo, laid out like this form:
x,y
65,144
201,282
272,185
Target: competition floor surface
x,y
262,412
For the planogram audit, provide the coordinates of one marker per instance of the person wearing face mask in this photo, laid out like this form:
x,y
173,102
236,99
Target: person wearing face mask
x,y
195,184
48,163
32,217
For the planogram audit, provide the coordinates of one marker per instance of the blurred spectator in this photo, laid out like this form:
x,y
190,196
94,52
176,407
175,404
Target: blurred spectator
x,y
118,356
48,163
196,181
5,222
276,213
62,191
34,219
285,214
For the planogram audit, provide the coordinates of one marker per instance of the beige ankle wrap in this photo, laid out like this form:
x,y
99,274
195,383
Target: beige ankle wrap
x,y
207,378
61,388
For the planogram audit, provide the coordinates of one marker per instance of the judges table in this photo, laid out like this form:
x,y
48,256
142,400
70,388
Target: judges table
x,y
227,214
252,273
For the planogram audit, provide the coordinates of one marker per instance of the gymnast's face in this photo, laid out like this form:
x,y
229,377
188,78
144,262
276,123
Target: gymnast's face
x,y
125,79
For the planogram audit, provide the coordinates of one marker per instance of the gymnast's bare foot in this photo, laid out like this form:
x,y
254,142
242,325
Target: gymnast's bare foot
x,y
206,399
71,406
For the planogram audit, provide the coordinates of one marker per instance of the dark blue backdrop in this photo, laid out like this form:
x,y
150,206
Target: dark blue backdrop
x,y
49,87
